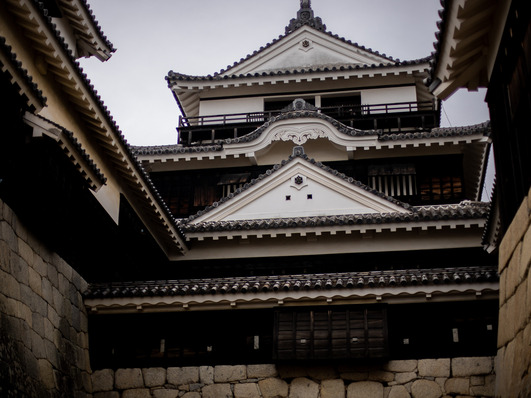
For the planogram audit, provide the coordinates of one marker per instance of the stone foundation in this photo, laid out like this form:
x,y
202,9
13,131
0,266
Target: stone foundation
x,y
43,322
424,378
514,333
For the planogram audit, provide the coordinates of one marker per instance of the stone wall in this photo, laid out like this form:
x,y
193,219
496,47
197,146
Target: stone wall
x,y
514,333
43,323
424,378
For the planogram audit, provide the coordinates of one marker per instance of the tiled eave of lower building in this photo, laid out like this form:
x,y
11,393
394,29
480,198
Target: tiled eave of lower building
x,y
394,287
57,61
463,215
352,140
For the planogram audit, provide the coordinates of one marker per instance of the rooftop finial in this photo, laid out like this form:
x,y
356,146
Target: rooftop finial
x,y
305,17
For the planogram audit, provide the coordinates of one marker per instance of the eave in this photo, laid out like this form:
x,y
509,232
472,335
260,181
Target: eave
x,y
57,60
464,52
20,78
393,287
187,89
90,39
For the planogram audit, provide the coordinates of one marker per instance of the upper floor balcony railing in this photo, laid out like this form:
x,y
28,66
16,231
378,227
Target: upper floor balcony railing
x,y
390,117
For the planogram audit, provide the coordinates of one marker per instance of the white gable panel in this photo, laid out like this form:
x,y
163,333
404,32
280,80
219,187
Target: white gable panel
x,y
300,189
285,201
305,48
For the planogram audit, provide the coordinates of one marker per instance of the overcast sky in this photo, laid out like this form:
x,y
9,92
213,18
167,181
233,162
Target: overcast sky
x,y
201,37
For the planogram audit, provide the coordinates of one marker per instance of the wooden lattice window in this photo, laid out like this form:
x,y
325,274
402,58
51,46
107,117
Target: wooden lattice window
x,y
331,333
393,179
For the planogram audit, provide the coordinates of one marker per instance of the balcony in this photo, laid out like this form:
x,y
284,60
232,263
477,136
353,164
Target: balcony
x,y
390,118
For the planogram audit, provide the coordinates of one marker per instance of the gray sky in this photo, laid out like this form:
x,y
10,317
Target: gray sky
x,y
201,37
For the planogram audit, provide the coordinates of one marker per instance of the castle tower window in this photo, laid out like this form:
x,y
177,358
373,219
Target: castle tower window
x,y
231,182
393,179
331,333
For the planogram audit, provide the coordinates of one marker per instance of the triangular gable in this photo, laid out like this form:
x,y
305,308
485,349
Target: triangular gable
x,y
306,47
300,188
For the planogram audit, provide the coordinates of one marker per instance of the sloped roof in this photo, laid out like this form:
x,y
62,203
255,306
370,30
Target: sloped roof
x,y
174,77
20,77
298,153
467,283
437,132
305,17
463,51
44,35
463,211
86,28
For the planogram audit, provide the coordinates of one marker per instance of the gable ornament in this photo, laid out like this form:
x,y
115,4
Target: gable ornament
x,y
298,137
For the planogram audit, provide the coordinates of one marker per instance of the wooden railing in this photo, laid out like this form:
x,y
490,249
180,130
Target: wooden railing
x,y
200,130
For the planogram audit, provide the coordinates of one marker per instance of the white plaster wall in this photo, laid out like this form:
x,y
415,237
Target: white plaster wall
x,y
228,106
389,95
324,201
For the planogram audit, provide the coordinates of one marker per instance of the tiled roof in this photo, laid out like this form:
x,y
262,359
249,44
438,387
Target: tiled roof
x,y
461,131
106,113
298,152
295,24
482,128
77,145
463,211
7,51
96,25
264,284
441,25
175,77
173,149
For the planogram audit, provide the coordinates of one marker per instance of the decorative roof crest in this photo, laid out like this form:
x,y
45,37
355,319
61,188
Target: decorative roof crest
x,y
305,17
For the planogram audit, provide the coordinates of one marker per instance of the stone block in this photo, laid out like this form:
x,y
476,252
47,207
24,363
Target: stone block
x,y
222,390
181,376
520,309
8,235
322,372
273,388
137,393
526,254
25,251
513,272
485,390
107,394
35,281
398,392
457,386
406,377
425,389
192,395
261,371
166,393
434,367
381,375
355,376
128,379
477,380
471,366
401,366
206,374
226,373
246,390
302,387
5,256
46,375
514,233
37,346
154,377
333,388
19,269
365,389
51,274
291,372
